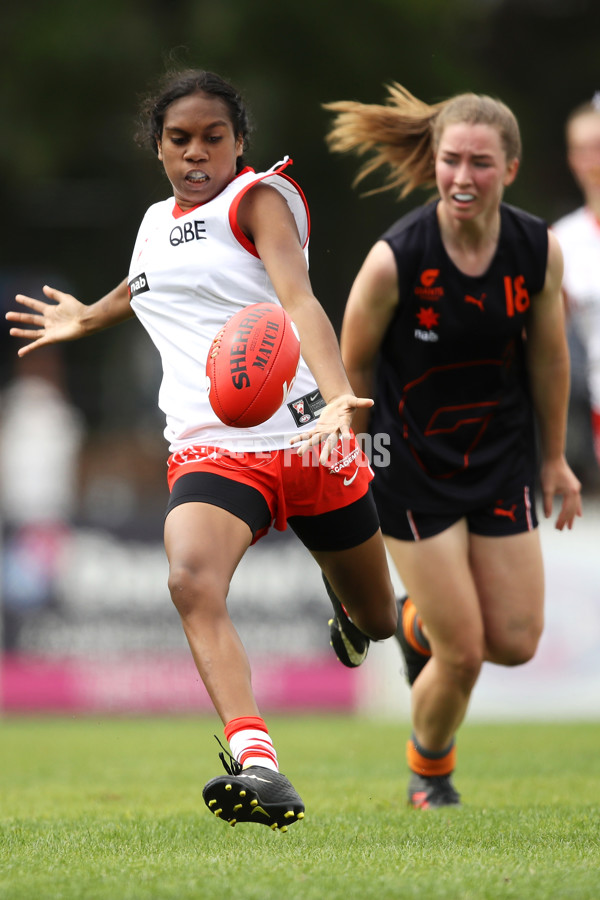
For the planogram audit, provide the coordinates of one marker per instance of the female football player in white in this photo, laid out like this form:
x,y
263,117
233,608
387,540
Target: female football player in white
x,y
579,237
226,238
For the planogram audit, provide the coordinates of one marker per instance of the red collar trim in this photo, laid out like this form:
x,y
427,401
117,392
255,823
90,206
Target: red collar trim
x,y
178,212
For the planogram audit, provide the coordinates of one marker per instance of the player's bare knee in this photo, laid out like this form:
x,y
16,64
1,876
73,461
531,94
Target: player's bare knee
x,y
523,650
191,588
379,623
379,631
387,623
465,665
517,648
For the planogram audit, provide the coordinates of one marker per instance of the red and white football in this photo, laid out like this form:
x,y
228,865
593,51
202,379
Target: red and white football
x,y
251,365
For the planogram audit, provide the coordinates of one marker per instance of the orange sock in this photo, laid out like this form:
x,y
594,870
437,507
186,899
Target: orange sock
x,y
413,628
424,762
250,742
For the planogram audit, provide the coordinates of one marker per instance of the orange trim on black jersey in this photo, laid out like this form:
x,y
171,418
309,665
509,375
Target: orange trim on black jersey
x,y
459,413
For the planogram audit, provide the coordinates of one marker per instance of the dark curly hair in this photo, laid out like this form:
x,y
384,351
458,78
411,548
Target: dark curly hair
x,y
177,84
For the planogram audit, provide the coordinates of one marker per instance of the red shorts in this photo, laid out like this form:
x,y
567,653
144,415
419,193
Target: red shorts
x,y
291,485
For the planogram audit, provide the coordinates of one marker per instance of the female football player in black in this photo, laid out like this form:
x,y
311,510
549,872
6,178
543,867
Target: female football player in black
x,y
454,325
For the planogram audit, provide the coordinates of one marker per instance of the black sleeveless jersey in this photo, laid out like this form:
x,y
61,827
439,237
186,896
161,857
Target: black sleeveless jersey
x,y
452,390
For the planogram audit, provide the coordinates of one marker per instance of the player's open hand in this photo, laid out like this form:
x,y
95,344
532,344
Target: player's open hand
x,y
332,425
558,480
48,323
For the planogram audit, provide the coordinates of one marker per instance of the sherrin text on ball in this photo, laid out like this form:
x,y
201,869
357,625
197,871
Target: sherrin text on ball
x,y
251,365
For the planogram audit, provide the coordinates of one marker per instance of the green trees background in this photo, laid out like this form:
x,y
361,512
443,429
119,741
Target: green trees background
x,y
74,185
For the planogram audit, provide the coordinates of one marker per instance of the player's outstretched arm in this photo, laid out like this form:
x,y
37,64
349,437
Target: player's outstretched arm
x,y
65,318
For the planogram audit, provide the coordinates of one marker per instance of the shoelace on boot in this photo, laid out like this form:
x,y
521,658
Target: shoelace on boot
x,y
232,767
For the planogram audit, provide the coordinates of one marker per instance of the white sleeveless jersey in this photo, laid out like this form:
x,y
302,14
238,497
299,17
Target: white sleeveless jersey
x,y
579,236
189,273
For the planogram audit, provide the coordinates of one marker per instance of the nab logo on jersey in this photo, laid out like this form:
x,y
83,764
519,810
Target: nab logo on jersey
x,y
138,285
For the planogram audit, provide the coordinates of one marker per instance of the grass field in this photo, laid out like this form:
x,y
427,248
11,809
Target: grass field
x,y
106,809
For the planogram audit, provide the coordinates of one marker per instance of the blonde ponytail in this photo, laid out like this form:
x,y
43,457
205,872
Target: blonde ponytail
x,y
402,136
396,136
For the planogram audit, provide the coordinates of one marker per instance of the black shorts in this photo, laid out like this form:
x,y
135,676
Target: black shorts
x,y
338,529
512,515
